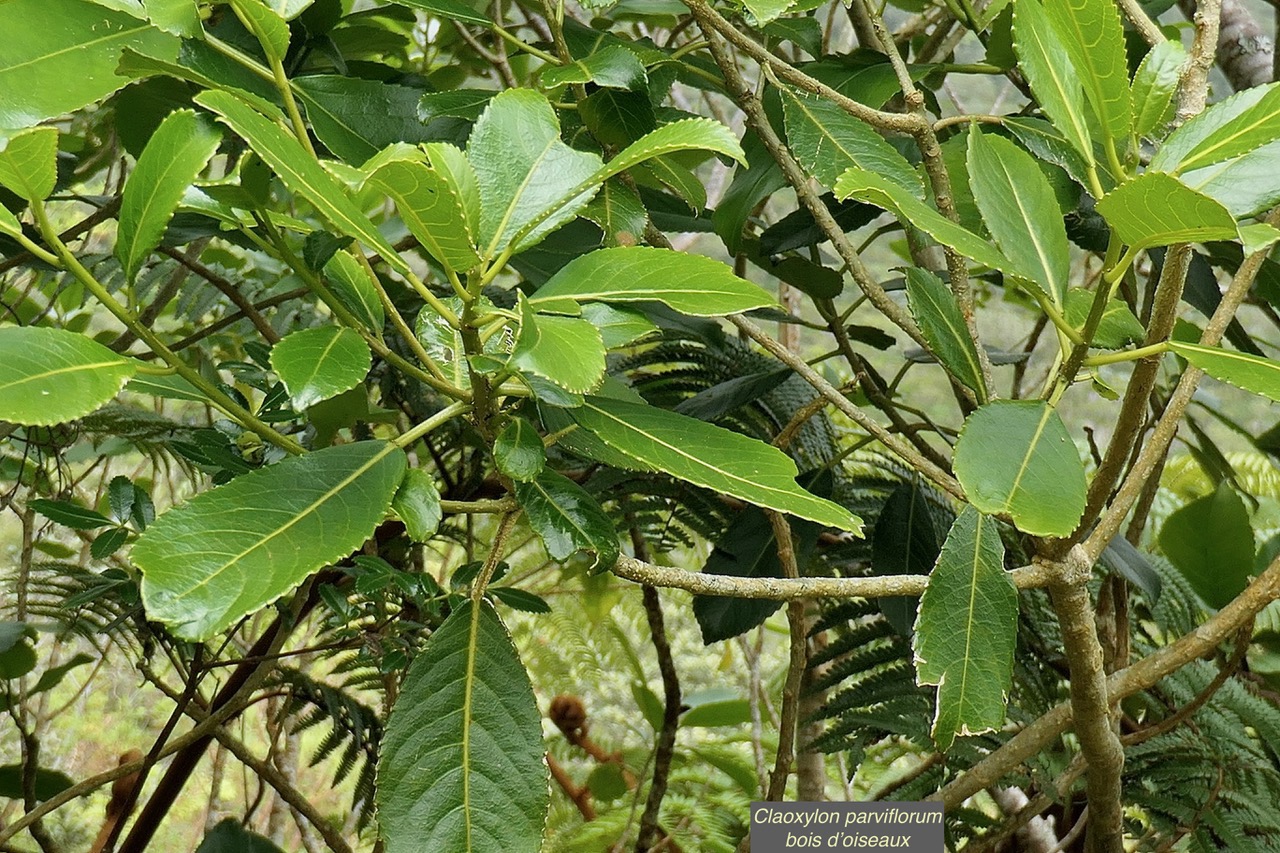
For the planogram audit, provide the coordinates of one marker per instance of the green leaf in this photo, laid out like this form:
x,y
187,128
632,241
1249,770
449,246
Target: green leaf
x,y
9,223
518,451
1246,185
451,10
567,519
417,503
462,764
1020,210
49,783
1093,36
1015,458
17,660
355,119
51,376
444,343
936,312
316,364
1155,209
702,134
524,171
60,55
720,707
873,189
228,552
230,837
1253,374
1228,129
28,162
708,456
765,11
519,599
966,631
1154,85
300,172
54,675
108,542
904,543
178,17
269,28
70,514
1119,327
1210,541
431,203
619,212
827,140
288,9
177,152
612,67
691,284
618,326
1047,66
351,284
566,350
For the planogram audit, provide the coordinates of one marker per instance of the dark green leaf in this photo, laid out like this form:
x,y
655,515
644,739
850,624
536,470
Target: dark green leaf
x,y
219,556
69,514
519,599
462,760
356,119
567,519
966,630
1016,458
719,400
936,312
1210,541
108,542
1154,85
904,543
230,837
827,140
452,10
613,67
17,660
53,676
49,783
353,288
1046,64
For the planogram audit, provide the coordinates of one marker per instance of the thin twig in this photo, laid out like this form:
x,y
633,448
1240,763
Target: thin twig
x,y
798,661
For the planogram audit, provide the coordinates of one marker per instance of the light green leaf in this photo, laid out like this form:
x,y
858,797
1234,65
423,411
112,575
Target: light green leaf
x,y
524,170
350,283
873,189
300,172
50,376
935,310
9,223
316,364
618,326
1246,185
708,456
827,140
269,28
1228,129
59,55
1250,372
613,67
1015,458
567,519
1047,143
765,11
461,766
1210,541
178,17
177,152
701,134
1047,66
966,630
28,162
1093,36
288,9
1020,211
566,350
228,552
618,211
691,284
355,119
1155,209
1118,328
444,343
450,10
417,503
1154,85
518,451
432,207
